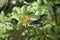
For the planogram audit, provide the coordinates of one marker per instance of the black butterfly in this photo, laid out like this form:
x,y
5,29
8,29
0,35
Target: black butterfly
x,y
38,22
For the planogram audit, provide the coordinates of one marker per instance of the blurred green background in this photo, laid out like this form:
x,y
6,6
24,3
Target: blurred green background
x,y
29,19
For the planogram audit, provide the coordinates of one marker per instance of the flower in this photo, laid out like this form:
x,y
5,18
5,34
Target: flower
x,y
26,20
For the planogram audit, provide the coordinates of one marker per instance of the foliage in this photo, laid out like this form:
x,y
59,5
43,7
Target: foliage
x,y
29,20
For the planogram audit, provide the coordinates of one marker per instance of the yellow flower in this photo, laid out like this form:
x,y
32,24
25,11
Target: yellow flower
x,y
26,20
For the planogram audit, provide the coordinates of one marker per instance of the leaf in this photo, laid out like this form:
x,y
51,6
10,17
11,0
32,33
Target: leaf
x,y
2,3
